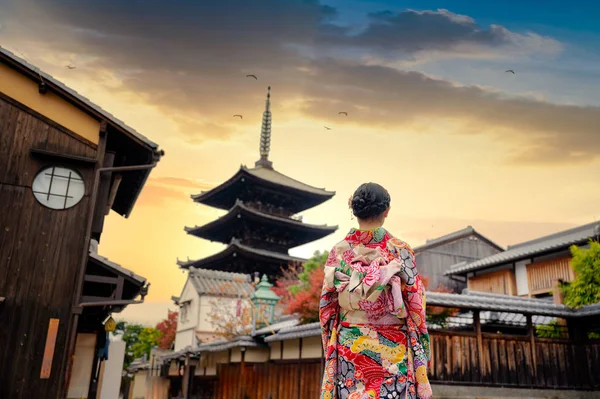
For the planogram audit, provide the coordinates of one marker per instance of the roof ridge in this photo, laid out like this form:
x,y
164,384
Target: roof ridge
x,y
221,274
455,235
553,235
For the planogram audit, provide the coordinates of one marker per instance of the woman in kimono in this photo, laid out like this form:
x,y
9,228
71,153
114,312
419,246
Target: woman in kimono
x,y
372,311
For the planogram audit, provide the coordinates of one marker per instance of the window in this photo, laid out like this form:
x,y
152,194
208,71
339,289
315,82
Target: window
x,y
58,187
185,306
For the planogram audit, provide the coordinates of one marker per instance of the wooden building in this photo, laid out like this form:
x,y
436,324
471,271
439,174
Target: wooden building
x,y
259,227
437,255
64,164
531,268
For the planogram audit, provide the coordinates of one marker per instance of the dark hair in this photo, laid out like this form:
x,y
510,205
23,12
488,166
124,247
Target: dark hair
x,y
369,201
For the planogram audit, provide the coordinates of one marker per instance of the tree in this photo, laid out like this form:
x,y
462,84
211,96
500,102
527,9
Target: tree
x,y
168,330
230,321
585,288
305,294
138,339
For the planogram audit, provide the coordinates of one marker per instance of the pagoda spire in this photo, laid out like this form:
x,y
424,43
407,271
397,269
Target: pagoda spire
x,y
265,134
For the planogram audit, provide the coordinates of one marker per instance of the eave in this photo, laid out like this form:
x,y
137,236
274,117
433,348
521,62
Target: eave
x,y
227,258
225,195
220,229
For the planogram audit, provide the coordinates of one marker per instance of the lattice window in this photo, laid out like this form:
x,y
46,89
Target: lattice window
x,y
58,187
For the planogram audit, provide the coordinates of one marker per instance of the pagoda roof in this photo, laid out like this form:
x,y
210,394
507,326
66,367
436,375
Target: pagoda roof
x,y
221,229
229,260
225,195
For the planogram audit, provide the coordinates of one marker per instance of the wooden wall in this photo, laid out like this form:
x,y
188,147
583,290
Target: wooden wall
x,y
509,361
433,261
270,380
500,282
40,251
457,358
542,276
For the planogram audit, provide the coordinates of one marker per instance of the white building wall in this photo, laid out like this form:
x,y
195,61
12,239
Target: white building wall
x,y
184,338
521,277
111,378
185,335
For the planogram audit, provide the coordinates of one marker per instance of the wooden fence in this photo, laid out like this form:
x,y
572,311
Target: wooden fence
x,y
457,358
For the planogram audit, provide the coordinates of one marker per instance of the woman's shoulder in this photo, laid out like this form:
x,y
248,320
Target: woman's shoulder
x,y
397,245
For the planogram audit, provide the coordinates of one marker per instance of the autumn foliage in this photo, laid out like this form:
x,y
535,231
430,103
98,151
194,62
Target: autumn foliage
x,y
168,329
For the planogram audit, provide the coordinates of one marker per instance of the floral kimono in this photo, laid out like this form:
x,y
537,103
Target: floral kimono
x,y
372,313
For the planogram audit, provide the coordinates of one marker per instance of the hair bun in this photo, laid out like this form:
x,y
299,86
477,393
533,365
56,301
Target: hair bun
x,y
370,200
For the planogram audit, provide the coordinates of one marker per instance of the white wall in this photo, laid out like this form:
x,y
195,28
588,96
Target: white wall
x,y
188,294
185,335
139,385
521,277
185,338
111,379
85,348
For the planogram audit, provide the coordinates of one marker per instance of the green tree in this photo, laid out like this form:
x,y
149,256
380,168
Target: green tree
x,y
139,340
585,288
316,262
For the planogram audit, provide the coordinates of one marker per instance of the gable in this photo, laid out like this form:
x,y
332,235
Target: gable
x,y
17,86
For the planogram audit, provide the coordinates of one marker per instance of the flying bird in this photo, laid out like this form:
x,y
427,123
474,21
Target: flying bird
x,y
70,67
328,128
343,113
252,76
511,71
240,116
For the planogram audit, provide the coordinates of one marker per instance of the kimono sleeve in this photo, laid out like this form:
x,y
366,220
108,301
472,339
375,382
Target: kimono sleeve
x,y
329,308
413,292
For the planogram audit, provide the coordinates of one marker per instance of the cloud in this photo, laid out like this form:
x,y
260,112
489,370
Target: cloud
x,y
189,59
160,191
412,31
539,131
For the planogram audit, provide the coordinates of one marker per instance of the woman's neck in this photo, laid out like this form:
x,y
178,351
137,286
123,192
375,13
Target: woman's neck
x,y
369,224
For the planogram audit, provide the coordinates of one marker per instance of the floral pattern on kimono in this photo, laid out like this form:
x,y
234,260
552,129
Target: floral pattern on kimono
x,y
372,313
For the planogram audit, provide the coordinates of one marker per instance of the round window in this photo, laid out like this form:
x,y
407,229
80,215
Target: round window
x,y
58,188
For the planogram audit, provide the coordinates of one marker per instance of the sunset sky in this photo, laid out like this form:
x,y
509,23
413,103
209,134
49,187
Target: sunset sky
x,y
432,114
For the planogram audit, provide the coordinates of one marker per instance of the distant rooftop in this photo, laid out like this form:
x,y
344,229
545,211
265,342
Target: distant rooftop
x,y
466,232
219,283
543,245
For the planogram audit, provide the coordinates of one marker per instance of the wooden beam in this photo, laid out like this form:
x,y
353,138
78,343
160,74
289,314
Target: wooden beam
x,y
531,332
101,279
49,348
480,359
91,299
118,294
61,156
114,188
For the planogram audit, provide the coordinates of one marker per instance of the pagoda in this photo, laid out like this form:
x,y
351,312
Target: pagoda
x,y
260,226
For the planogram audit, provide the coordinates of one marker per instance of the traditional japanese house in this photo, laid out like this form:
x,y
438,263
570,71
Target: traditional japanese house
x,y
436,256
531,268
259,227
64,164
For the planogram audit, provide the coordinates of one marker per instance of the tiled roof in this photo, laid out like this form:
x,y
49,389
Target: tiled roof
x,y
217,346
239,205
274,176
81,99
288,322
214,282
236,245
112,265
301,331
466,232
552,243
